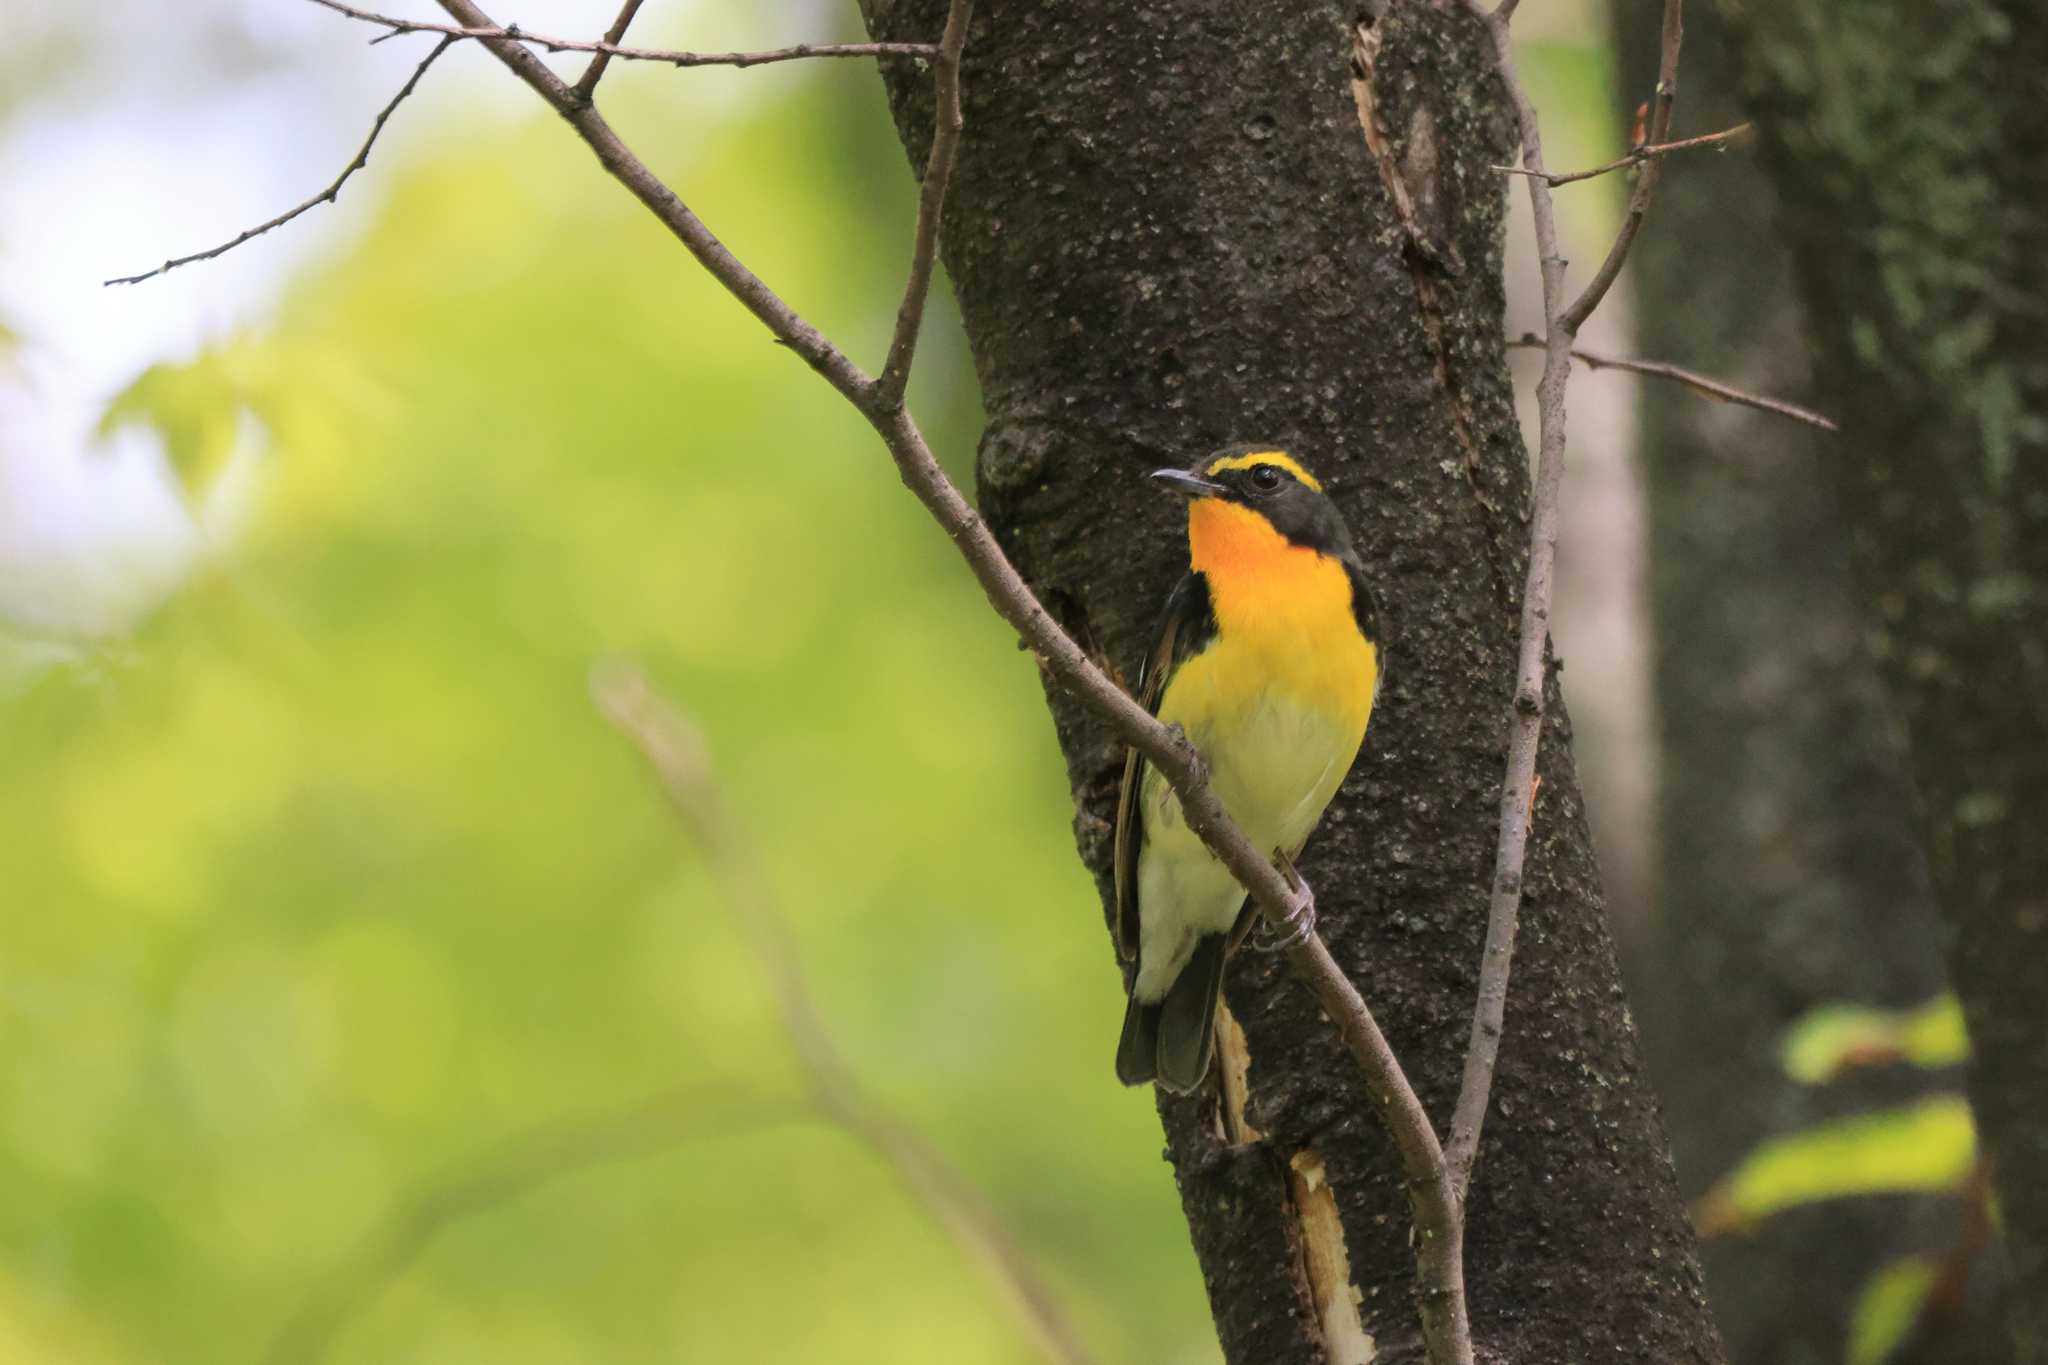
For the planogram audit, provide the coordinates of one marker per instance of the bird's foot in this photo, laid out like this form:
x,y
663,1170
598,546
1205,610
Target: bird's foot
x,y
1301,916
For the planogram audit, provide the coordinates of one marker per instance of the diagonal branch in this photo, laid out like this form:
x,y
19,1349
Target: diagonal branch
x,y
586,85
1439,1257
608,47
326,196
1646,183
1705,385
1440,1291
1525,725
676,752
1641,154
931,205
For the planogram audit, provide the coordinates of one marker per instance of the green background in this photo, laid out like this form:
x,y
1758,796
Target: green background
x,y
331,883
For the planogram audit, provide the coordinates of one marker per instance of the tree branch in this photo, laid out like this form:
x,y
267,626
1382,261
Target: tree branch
x,y
1704,385
1646,184
1641,154
1440,1291
326,196
676,753
592,74
931,205
1525,717
608,47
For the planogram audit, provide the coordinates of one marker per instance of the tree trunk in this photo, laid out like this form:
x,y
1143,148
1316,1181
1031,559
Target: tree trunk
x,y
1911,157
1168,231
1789,870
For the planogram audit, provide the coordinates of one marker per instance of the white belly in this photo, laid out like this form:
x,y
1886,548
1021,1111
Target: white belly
x,y
1275,764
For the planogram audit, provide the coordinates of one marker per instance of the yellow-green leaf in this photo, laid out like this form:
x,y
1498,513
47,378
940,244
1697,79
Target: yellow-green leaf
x,y
1888,1306
1835,1038
1926,1146
197,407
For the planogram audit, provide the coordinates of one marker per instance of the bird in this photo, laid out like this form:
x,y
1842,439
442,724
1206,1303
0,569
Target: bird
x,y
1267,658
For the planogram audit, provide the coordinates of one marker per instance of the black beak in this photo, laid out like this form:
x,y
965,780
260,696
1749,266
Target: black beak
x,y
1192,485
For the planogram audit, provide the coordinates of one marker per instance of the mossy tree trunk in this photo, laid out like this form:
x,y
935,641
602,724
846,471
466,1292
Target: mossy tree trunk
x,y
1910,155
1789,869
1169,230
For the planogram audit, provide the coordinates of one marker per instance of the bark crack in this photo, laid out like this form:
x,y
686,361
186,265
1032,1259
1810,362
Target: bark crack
x,y
1420,251
1323,1270
1411,186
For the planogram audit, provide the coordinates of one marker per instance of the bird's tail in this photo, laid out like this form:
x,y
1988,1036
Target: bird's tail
x,y
1171,1040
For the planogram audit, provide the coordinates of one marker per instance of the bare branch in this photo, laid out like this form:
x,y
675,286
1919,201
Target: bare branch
x,y
1704,385
1176,760
592,74
676,752
1642,154
931,204
326,196
1440,1288
1519,786
486,32
1646,184
519,1168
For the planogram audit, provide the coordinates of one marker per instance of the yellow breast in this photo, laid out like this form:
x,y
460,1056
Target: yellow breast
x,y
1280,699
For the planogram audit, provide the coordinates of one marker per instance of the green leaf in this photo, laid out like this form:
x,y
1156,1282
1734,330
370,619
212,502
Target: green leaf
x,y
1888,1306
1928,1146
1835,1038
197,406
1934,1034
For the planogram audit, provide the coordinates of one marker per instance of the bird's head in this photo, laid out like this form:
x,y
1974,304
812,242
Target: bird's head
x,y
1255,499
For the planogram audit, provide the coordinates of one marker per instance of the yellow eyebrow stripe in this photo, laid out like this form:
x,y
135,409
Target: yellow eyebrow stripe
x,y
1272,457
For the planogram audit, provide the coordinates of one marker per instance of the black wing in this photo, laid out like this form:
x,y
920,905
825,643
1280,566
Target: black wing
x,y
1365,611
1185,629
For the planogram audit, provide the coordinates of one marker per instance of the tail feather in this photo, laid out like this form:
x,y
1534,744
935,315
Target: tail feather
x,y
1186,1025
1138,1050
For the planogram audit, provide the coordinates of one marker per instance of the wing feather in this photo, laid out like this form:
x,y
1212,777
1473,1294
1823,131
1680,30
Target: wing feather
x,y
1186,627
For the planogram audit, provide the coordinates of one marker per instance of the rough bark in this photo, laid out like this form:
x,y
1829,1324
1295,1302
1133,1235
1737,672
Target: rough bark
x,y
1789,871
1168,231
1910,155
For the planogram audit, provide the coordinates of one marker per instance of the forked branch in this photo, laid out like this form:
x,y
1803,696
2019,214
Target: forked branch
x,y
1525,714
1703,384
1440,1273
326,196
608,47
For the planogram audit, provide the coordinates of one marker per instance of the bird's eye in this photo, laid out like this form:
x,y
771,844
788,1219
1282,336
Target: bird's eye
x,y
1266,478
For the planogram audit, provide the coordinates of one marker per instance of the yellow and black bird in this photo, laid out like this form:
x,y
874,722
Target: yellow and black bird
x,y
1267,657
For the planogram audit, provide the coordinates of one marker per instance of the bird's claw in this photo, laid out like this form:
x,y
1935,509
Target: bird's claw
x,y
1300,921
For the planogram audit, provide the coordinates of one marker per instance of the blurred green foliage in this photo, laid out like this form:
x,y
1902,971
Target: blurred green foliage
x,y
1889,1308
1826,1041
333,882
1928,1146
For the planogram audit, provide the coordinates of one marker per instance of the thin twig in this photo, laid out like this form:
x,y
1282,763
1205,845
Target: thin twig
x,y
676,752
519,1168
1525,725
1646,184
1704,385
1440,1290
326,196
931,206
592,74
1440,1271
1640,155
485,33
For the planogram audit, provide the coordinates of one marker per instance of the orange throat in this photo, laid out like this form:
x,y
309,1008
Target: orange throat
x,y
1253,569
